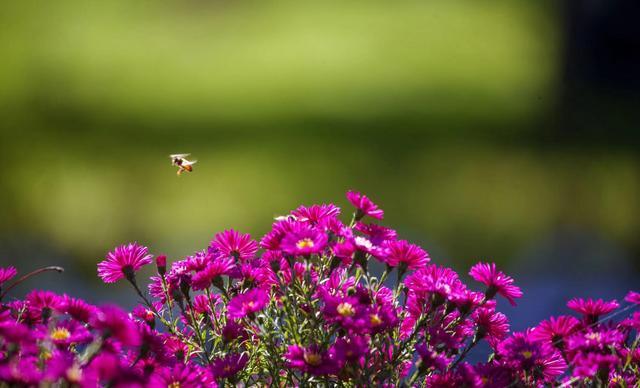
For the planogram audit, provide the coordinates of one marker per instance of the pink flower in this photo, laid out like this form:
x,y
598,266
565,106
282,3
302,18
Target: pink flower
x,y
556,330
234,244
247,304
633,297
221,265
123,262
496,281
364,206
6,274
304,241
405,254
592,309
114,322
229,366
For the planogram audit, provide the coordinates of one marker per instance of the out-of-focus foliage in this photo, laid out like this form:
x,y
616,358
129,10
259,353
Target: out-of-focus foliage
x,y
436,108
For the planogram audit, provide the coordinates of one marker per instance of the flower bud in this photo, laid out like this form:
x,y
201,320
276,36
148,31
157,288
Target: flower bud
x,y
161,264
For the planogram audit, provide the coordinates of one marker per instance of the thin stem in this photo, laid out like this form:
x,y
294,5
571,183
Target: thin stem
x,y
30,274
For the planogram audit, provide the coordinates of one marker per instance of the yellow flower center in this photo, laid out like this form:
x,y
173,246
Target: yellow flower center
x,y
250,304
313,359
527,354
375,320
60,334
593,336
175,384
227,368
346,309
305,243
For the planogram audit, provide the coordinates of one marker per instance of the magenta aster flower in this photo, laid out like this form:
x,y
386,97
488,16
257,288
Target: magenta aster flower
x,y
536,358
633,297
76,308
402,253
41,304
6,274
179,375
221,265
496,281
556,330
491,324
304,241
233,244
316,214
113,322
441,282
376,233
364,206
66,333
123,262
229,366
247,304
431,359
592,309
313,360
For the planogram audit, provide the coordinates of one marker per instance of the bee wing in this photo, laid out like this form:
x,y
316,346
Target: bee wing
x,y
189,162
178,155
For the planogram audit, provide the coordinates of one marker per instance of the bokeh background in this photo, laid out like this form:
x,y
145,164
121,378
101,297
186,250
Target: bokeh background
x,y
493,130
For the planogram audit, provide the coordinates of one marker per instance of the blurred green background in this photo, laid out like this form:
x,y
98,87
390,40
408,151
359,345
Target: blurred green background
x,y
485,129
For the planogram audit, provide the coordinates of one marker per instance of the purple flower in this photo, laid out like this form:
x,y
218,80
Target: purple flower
x,y
592,309
536,358
556,330
441,282
633,297
431,359
6,274
41,304
113,322
313,360
123,262
364,206
590,364
66,333
304,241
220,265
229,366
77,308
496,281
316,214
236,245
180,375
247,304
402,253
377,234
492,325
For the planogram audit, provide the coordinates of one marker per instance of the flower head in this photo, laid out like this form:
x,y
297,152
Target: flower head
x,y
221,265
633,297
6,274
304,241
233,244
364,206
123,262
313,359
592,309
113,322
496,281
403,253
247,304
229,365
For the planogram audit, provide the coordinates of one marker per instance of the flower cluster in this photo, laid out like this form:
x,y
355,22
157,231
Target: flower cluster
x,y
301,307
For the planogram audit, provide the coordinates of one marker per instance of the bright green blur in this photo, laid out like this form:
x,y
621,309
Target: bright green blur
x,y
425,106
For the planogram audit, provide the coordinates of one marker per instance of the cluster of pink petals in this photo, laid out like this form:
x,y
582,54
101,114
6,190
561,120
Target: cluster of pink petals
x,y
302,308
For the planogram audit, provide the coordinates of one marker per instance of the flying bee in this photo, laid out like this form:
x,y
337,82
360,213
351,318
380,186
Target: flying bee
x,y
180,161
